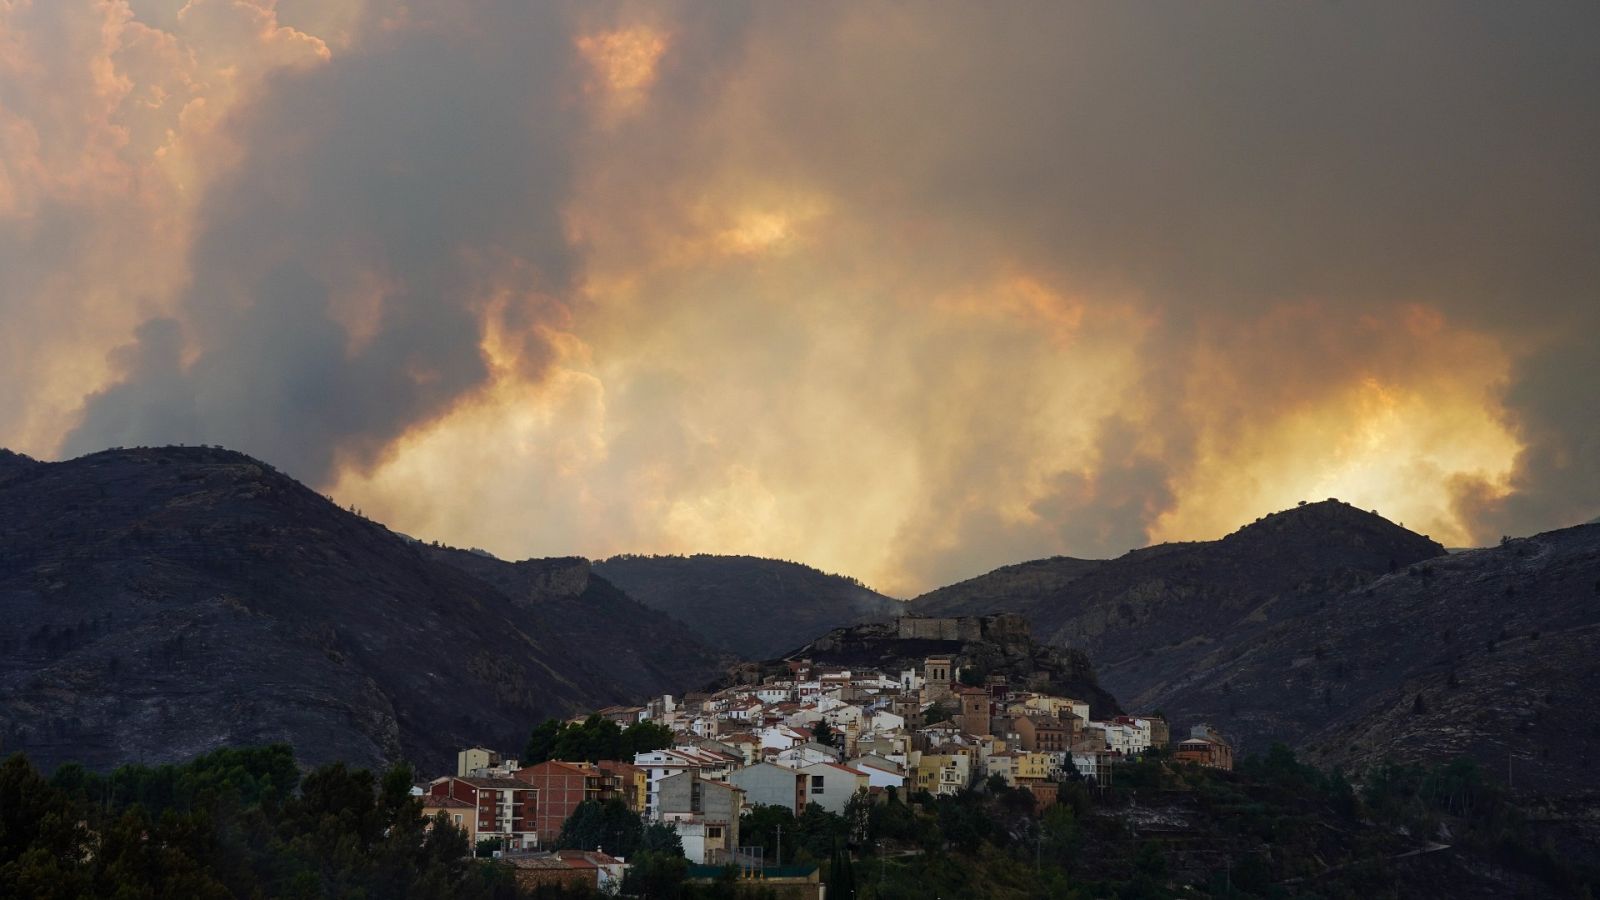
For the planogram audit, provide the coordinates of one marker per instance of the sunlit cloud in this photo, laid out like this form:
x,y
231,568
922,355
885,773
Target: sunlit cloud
x,y
623,65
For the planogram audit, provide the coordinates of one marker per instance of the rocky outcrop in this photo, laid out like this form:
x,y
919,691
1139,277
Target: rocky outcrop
x,y
988,645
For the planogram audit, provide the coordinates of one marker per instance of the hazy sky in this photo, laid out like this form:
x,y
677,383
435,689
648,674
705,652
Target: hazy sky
x,y
905,290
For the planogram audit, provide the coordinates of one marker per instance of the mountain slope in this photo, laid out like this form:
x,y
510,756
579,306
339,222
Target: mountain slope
x,y
1490,653
752,607
12,464
1321,627
642,649
1172,600
156,603
1007,589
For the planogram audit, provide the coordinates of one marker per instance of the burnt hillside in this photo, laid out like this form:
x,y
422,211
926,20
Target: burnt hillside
x,y
158,603
750,607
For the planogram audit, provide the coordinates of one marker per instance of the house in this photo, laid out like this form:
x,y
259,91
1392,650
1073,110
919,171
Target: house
x,y
880,772
779,737
943,774
884,720
532,871
830,785
746,745
659,765
802,755
1031,768
623,715
474,760
1094,762
705,813
632,782
459,813
562,786
775,692
1042,733
606,870
1205,747
502,808
710,765
765,784
580,869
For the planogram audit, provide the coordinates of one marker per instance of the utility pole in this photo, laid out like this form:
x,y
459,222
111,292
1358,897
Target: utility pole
x,y
779,862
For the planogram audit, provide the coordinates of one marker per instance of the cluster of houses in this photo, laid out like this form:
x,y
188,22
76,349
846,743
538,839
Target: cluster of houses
x,y
816,735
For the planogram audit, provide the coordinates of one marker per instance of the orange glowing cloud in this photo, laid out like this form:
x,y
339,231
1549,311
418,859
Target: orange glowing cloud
x,y
623,64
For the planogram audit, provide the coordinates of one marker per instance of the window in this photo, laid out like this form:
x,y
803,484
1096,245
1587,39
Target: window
x,y
458,819
816,784
714,831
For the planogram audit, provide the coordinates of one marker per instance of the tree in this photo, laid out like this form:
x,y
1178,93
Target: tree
x,y
610,826
643,737
656,876
824,734
542,743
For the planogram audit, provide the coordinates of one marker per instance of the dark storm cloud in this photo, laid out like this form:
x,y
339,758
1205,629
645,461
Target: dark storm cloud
x,y
396,180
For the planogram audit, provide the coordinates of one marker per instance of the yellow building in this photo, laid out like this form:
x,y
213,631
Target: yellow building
x,y
943,773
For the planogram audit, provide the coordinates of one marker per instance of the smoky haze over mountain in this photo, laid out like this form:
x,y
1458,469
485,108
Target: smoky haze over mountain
x,y
906,293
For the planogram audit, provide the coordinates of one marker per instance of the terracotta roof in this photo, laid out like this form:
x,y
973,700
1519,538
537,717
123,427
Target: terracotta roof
x,y
431,802
571,768
839,767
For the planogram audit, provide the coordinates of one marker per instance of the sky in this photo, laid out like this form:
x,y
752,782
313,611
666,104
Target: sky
x,y
904,290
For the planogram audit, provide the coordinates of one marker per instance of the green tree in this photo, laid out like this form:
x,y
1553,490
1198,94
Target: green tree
x,y
608,825
542,742
824,734
643,737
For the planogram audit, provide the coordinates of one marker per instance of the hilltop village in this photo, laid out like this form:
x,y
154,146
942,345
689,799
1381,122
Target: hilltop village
x,y
798,733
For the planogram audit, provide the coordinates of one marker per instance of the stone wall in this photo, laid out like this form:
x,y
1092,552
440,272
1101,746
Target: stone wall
x,y
917,628
1003,627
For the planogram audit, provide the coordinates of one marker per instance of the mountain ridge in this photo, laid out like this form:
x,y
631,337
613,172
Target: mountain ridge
x,y
750,606
159,602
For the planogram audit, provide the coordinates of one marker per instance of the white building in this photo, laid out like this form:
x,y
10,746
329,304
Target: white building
x,y
830,785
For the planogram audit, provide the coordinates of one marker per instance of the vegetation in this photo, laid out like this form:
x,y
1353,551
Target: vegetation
x,y
244,823
612,827
234,823
1276,827
824,734
593,740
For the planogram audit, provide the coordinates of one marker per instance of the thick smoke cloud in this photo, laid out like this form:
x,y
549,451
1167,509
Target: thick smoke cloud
x,y
904,291
340,271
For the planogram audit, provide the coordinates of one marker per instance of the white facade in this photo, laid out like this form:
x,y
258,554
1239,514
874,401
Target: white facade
x,y
830,785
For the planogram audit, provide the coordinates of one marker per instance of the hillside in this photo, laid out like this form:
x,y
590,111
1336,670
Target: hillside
x,y
157,603
1322,625
12,464
1146,616
641,649
751,607
1489,653
1012,588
